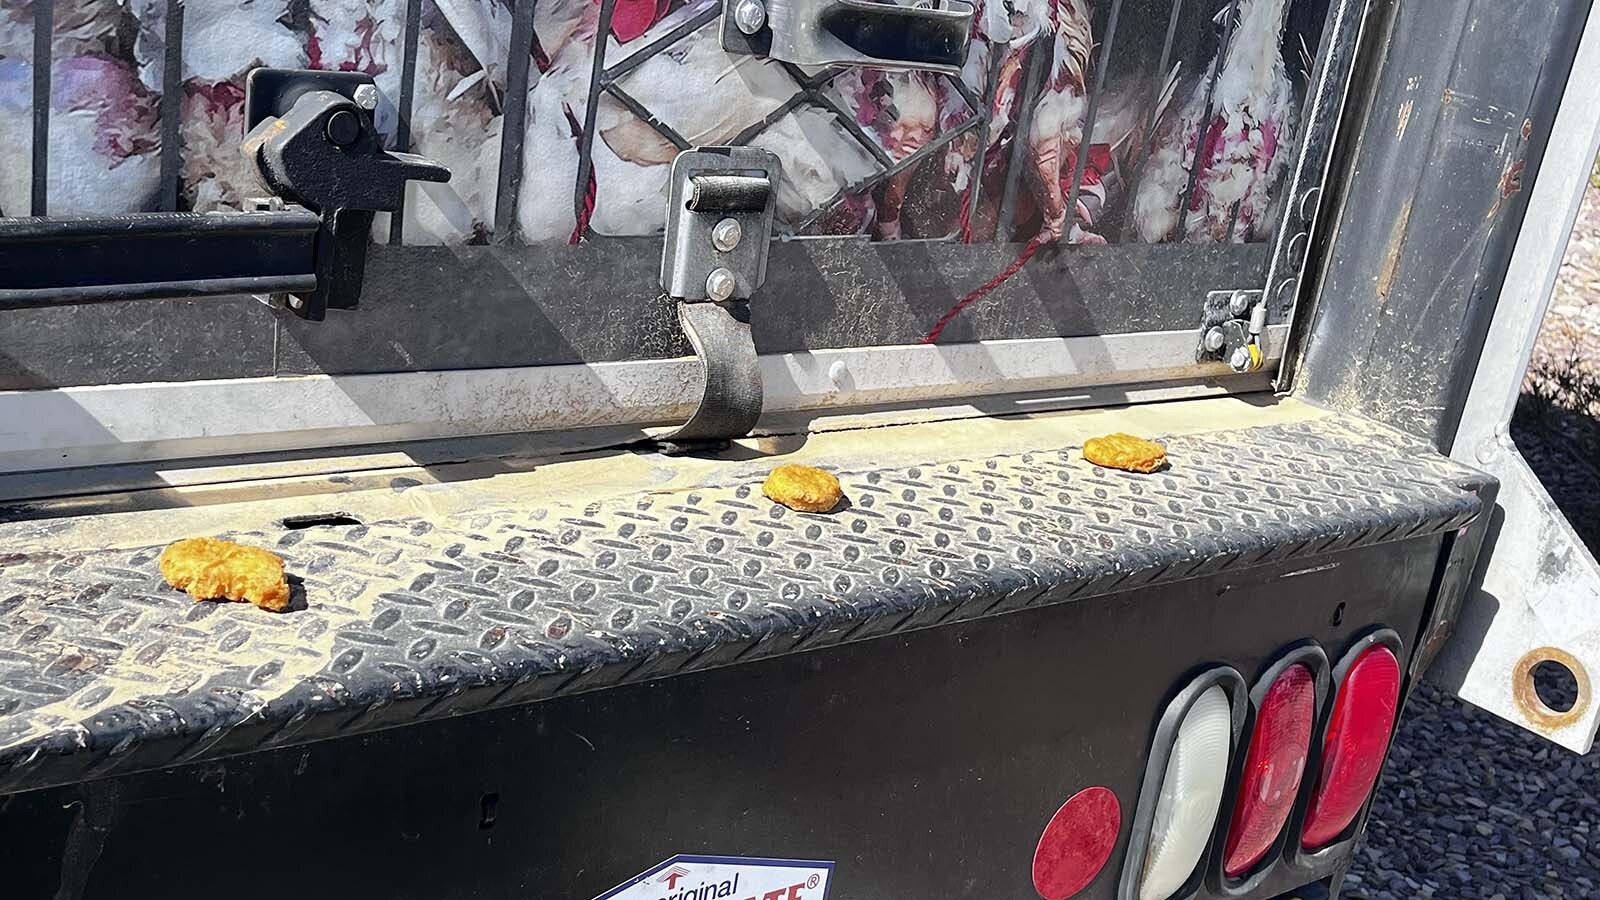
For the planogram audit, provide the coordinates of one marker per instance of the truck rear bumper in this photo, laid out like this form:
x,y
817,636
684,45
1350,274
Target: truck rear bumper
x,y
997,624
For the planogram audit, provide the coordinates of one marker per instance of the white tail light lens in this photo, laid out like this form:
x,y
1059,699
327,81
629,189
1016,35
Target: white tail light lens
x,y
1191,796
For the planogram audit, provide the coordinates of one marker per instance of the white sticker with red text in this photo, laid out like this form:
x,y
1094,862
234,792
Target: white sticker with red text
x,y
727,878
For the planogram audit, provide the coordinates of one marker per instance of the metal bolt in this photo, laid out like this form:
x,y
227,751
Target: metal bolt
x,y
1215,339
839,374
1239,303
725,235
343,128
295,302
366,97
720,284
1240,360
750,16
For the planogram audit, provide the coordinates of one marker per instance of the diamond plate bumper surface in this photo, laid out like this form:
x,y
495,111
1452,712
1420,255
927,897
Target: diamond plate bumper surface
x,y
104,670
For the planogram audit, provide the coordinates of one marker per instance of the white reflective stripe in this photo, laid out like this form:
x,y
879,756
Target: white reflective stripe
x,y
1191,795
106,424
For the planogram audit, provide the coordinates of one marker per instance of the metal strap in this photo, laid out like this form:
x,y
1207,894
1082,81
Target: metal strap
x,y
731,404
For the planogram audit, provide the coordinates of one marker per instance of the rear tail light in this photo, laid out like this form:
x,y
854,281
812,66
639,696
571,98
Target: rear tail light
x,y
1354,745
1270,779
1190,796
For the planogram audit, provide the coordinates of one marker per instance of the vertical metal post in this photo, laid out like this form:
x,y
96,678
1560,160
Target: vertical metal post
x,y
586,141
1205,120
513,128
1094,109
43,34
171,107
1147,130
980,160
408,94
1037,61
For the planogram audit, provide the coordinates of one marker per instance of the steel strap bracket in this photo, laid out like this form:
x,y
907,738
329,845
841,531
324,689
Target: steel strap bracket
x,y
720,203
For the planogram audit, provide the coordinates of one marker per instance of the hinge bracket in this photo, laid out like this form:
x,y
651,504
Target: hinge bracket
x,y
720,205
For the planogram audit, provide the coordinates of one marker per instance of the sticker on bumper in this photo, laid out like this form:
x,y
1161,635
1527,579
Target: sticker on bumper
x,y
727,878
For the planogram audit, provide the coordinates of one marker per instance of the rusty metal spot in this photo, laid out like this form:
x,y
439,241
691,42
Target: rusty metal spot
x,y
1540,716
1391,255
1511,178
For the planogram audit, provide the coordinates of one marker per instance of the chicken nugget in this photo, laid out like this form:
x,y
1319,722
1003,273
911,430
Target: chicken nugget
x,y
804,488
1124,451
209,569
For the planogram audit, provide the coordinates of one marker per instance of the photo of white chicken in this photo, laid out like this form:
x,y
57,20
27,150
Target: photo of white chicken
x,y
456,120
222,40
104,135
900,112
1009,29
1242,150
1056,131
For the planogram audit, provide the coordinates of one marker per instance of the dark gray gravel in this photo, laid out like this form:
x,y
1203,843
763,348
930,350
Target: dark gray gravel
x,y
1472,806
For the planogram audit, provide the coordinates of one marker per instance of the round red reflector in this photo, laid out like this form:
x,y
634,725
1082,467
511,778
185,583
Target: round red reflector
x,y
1076,844
1272,769
1352,750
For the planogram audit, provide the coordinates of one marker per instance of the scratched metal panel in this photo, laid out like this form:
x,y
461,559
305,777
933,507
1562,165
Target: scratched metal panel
x,y
1434,200
107,670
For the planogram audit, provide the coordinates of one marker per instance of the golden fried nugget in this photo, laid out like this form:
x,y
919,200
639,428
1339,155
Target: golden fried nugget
x,y
209,569
1124,451
804,488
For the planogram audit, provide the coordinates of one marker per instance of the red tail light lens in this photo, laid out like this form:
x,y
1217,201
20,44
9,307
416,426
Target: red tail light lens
x,y
1352,751
1272,769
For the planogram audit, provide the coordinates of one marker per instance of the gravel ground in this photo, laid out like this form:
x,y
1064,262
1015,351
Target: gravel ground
x,y
1472,806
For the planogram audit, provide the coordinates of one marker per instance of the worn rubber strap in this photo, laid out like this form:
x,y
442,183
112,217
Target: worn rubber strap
x,y
731,404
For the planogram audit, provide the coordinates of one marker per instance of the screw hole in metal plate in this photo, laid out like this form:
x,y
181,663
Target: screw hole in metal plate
x,y
1551,688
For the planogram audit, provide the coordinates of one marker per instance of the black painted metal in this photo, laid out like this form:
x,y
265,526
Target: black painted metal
x,y
171,105
925,763
517,315
43,53
89,260
410,40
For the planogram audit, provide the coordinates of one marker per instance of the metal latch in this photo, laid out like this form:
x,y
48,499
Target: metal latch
x,y
850,32
720,203
311,141
1230,329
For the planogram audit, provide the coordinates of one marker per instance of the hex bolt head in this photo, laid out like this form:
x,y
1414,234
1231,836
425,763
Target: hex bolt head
x,y
1239,303
725,235
1240,360
343,128
750,16
366,97
295,302
1215,339
839,374
720,284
